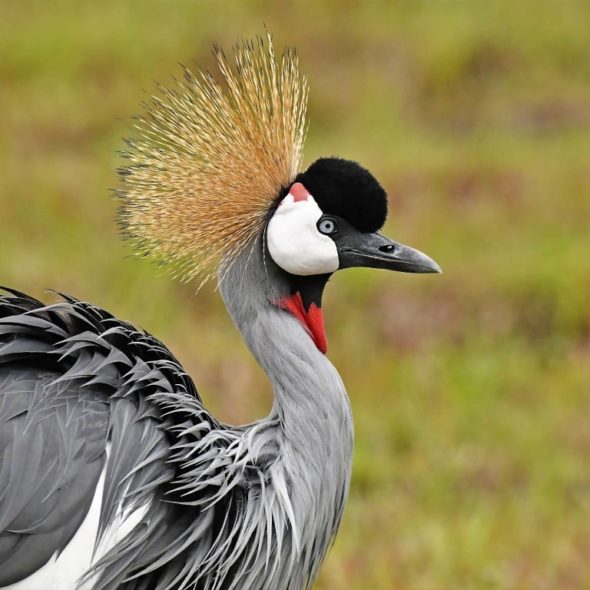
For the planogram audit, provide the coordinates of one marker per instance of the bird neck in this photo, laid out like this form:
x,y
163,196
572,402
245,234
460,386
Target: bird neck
x,y
311,403
280,318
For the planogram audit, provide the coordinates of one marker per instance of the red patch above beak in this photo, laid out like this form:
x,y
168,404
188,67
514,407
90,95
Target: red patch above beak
x,y
299,192
312,319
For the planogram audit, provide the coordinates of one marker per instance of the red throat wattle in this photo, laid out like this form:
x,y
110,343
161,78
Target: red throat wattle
x,y
312,319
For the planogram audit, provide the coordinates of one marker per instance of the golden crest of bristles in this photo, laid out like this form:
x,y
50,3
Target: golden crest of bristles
x,y
211,157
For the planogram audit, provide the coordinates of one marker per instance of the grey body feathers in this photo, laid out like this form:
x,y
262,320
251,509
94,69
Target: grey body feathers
x,y
254,507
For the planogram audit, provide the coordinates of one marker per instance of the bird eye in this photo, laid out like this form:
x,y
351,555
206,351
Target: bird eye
x,y
327,226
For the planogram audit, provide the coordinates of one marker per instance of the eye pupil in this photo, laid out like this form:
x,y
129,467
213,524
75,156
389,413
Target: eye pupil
x,y
327,226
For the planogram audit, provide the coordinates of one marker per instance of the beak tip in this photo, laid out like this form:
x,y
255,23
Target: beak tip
x,y
431,266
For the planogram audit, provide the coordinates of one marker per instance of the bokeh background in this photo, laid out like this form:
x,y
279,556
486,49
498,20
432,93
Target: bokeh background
x,y
470,390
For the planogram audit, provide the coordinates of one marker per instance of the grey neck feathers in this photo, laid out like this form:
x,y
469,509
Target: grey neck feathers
x,y
311,409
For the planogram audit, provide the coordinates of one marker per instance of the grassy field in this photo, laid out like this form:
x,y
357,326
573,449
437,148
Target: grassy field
x,y
471,390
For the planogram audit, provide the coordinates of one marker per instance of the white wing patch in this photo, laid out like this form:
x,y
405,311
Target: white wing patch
x,y
63,571
293,239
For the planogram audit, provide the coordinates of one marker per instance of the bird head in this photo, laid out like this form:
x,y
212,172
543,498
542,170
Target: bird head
x,y
215,169
330,219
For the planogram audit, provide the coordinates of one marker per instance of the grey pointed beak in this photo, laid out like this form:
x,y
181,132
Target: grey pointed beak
x,y
377,251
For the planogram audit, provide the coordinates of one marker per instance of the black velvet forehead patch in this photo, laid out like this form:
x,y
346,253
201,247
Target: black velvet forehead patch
x,y
344,188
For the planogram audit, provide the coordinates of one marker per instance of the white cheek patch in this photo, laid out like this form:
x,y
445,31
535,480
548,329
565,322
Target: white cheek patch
x,y
293,239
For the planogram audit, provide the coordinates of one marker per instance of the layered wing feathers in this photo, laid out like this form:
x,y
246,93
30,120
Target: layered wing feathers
x,y
72,381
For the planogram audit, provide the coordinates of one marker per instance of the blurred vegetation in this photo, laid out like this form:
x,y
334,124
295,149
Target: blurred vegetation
x,y
471,390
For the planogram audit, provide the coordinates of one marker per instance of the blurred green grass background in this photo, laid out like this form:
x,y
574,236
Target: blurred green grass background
x,y
470,390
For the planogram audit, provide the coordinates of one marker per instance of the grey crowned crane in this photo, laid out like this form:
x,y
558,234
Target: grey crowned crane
x,y
113,474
